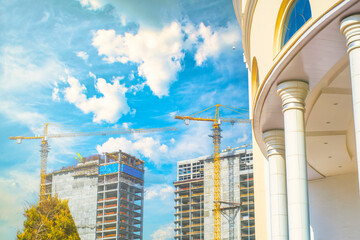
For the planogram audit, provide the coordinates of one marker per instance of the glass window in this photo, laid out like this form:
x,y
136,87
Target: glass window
x,y
297,16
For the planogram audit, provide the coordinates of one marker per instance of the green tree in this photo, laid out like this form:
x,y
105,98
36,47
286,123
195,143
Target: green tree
x,y
49,220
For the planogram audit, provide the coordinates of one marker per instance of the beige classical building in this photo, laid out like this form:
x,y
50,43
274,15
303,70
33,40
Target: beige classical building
x,y
303,58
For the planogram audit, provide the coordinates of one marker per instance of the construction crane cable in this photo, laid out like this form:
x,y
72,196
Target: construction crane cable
x,y
45,147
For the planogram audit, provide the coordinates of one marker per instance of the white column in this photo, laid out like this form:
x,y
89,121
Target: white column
x,y
275,145
350,27
293,94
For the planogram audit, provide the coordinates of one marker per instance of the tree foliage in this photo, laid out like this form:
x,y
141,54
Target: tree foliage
x,y
50,219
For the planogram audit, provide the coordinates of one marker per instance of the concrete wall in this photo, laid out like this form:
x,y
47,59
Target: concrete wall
x,y
209,197
335,207
81,192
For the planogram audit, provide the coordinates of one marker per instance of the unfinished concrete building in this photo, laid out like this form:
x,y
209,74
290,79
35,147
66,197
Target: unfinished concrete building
x,y
106,195
189,200
194,197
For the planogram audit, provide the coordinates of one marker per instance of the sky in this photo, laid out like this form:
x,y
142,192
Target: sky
x,y
91,65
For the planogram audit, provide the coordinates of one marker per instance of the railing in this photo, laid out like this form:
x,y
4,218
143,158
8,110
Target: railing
x,y
197,225
246,203
110,235
131,183
198,194
110,228
245,211
244,227
182,196
181,189
106,199
245,194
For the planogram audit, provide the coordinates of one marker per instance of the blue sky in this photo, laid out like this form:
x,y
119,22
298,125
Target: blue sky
x,y
100,64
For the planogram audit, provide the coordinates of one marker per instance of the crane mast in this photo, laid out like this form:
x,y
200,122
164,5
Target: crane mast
x,y
216,162
44,151
217,181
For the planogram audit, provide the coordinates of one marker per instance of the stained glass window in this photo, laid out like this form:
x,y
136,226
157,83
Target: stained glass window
x,y
297,16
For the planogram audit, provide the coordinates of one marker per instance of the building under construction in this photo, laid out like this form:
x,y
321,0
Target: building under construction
x,y
106,195
194,197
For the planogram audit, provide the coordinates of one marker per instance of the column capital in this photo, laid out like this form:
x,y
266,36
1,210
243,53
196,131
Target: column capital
x,y
293,94
275,143
350,27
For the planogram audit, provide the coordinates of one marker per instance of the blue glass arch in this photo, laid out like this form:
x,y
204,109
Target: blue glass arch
x,y
298,14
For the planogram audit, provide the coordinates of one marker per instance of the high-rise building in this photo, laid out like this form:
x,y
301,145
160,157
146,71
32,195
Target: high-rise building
x,y
105,193
189,200
194,197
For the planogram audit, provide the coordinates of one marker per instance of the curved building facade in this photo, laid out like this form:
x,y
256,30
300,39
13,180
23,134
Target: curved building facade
x,y
303,58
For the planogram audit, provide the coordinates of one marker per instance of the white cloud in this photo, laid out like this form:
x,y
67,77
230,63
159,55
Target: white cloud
x,y
55,94
109,108
158,53
45,17
131,76
165,232
17,189
27,76
243,139
146,146
193,143
92,75
17,113
92,4
159,191
83,55
21,70
126,125
136,88
209,42
150,13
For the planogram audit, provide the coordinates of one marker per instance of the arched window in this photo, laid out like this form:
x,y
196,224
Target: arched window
x,y
297,15
254,78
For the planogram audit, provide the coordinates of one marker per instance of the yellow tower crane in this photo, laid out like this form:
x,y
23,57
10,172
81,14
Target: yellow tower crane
x,y
45,147
217,120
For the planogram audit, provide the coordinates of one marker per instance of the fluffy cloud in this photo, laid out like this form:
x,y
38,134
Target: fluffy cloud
x,y
83,55
109,108
146,146
165,232
157,53
210,43
160,191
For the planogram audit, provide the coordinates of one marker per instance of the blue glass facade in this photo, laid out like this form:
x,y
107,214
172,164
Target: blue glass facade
x,y
107,169
132,171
